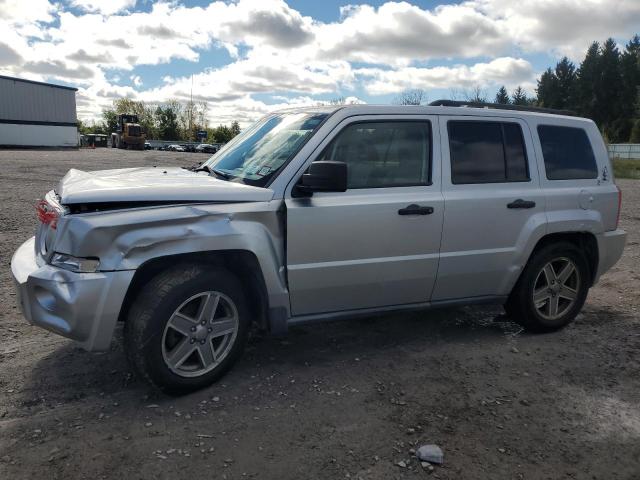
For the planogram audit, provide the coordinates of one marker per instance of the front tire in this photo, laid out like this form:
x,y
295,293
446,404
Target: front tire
x,y
187,327
551,290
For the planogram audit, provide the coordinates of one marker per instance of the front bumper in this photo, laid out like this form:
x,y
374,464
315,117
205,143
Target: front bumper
x,y
610,248
80,306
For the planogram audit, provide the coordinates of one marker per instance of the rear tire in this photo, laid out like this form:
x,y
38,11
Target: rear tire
x,y
551,290
187,327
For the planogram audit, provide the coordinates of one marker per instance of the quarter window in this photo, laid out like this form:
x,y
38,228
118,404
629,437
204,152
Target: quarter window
x,y
383,154
487,152
567,153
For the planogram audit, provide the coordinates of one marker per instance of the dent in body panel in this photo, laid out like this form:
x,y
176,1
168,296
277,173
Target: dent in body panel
x,y
125,239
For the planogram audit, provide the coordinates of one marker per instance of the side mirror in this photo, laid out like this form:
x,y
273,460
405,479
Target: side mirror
x,y
325,176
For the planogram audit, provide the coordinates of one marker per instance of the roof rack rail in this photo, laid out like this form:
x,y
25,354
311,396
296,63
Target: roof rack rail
x,y
500,106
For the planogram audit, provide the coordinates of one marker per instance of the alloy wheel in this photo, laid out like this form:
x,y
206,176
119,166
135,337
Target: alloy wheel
x,y
556,288
200,334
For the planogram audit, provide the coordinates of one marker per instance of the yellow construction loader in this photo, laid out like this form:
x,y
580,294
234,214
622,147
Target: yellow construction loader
x,y
128,133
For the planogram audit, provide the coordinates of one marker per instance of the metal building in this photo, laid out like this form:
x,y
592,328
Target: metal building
x,y
37,114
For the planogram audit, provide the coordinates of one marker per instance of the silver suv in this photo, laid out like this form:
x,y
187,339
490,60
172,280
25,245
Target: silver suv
x,y
319,214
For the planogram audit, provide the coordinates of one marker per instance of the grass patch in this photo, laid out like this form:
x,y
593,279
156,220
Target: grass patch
x,y
626,168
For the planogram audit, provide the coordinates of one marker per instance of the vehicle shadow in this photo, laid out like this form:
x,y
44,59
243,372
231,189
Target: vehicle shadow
x,y
69,373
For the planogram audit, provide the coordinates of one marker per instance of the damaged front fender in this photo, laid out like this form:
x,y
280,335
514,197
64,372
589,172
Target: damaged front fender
x,y
125,239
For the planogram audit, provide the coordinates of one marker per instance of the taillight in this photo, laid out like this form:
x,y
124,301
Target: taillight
x,y
619,205
47,214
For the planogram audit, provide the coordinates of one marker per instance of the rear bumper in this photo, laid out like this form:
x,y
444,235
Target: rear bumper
x,y
80,306
610,248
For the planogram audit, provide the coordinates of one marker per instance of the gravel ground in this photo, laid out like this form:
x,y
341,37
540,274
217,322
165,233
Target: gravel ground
x,y
336,400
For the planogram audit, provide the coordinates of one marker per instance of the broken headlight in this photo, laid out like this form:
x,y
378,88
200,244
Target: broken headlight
x,y
75,264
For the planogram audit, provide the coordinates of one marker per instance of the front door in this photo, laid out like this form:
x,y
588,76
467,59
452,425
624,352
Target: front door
x,y
377,244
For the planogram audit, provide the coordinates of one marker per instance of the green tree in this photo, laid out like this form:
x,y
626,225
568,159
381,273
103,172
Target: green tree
x,y
502,96
224,133
519,97
586,85
565,75
235,128
608,87
167,121
83,128
221,134
547,89
110,120
630,71
635,132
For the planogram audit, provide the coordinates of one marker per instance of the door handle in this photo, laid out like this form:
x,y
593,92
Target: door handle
x,y
414,209
520,203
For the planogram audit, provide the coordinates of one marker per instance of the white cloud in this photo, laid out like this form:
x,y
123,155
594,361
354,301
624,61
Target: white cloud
x,y
501,71
105,7
566,27
21,12
279,53
400,32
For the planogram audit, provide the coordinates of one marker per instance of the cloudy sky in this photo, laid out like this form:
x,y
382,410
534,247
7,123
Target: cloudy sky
x,y
248,57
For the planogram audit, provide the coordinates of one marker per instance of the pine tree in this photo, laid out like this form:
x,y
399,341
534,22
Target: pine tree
x,y
635,132
502,96
548,89
588,75
630,71
609,86
519,97
566,83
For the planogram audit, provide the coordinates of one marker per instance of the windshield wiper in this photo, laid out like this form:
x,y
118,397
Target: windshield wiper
x,y
202,168
219,173
209,170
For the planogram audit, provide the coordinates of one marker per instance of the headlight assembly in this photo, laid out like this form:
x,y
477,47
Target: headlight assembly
x,y
75,264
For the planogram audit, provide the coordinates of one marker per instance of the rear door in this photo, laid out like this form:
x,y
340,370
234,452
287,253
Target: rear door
x,y
376,244
493,203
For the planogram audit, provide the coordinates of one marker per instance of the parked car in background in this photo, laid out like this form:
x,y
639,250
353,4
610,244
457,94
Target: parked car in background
x,y
206,148
321,214
176,148
147,146
189,147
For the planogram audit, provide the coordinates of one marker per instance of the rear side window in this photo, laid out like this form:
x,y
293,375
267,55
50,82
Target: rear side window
x,y
487,152
567,153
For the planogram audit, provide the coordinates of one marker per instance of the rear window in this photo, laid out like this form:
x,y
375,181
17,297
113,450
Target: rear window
x,y
487,152
567,153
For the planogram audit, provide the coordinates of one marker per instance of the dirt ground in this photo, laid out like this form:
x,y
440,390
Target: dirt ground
x,y
336,400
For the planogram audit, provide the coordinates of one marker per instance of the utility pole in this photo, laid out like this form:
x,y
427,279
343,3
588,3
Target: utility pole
x,y
191,107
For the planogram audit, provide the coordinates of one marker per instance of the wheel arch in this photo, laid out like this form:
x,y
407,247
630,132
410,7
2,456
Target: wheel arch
x,y
243,263
585,241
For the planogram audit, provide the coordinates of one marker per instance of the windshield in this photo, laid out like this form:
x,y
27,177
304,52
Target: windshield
x,y
254,156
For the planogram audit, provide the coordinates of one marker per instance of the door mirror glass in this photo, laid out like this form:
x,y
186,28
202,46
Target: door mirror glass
x,y
325,176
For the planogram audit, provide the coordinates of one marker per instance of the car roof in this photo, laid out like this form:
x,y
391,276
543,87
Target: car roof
x,y
369,109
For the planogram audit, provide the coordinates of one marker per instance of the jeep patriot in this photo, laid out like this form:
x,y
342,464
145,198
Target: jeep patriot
x,y
325,213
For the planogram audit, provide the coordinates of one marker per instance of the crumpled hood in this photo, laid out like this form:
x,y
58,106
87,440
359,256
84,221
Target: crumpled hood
x,y
148,184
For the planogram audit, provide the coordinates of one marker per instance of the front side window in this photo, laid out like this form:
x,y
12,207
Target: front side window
x,y
383,154
487,152
567,153
254,156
